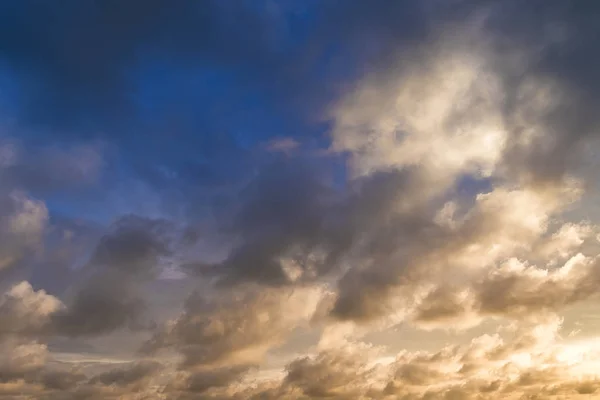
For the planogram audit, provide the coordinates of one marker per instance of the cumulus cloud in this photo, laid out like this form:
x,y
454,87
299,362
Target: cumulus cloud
x,y
502,365
513,289
440,110
26,312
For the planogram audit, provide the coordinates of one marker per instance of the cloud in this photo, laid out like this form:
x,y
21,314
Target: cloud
x,y
236,327
205,381
44,169
514,289
442,193
20,359
504,365
32,376
338,373
61,381
126,376
25,312
133,246
256,45
86,79
21,227
273,224
283,145
532,111
388,237
98,308
433,126
107,298
431,111
421,251
438,108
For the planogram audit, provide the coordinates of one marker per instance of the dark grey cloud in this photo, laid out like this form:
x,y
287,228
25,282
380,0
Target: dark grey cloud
x,y
100,306
556,43
134,246
126,375
106,297
203,381
78,54
281,214
67,244
61,381
78,61
293,214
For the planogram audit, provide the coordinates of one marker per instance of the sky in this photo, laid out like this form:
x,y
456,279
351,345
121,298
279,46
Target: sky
x,y
299,200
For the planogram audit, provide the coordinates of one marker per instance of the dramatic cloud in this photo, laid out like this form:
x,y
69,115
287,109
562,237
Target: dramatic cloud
x,y
299,200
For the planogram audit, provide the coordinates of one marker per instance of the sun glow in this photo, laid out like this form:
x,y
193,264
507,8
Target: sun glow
x,y
582,358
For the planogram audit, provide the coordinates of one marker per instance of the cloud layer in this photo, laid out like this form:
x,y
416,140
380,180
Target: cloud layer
x,y
266,200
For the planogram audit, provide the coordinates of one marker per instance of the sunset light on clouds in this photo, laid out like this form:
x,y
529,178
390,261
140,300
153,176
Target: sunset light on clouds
x,y
298,200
